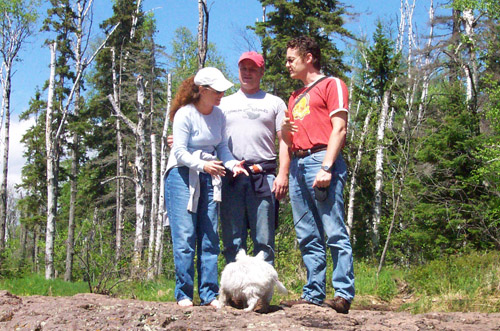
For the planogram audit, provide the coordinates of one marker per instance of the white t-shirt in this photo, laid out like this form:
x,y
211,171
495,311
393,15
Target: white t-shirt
x,y
252,121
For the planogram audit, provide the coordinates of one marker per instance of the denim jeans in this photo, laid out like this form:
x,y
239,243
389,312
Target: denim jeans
x,y
314,220
242,210
192,231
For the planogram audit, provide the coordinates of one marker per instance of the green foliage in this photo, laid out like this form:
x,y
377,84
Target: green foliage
x,y
384,286
184,61
383,62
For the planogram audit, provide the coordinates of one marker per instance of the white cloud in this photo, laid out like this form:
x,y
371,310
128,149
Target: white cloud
x,y
16,150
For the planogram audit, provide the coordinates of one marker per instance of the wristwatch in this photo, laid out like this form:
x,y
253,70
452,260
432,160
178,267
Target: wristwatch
x,y
326,168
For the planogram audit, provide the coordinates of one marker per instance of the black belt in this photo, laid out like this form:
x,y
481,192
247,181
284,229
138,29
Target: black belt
x,y
300,153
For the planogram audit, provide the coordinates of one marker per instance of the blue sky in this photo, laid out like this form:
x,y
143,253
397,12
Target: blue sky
x,y
228,20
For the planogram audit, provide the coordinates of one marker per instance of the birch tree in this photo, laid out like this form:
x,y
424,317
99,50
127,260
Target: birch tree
x,y
51,155
16,25
52,139
383,63
139,167
162,217
82,13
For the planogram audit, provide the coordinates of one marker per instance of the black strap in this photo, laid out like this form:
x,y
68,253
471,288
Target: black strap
x,y
307,90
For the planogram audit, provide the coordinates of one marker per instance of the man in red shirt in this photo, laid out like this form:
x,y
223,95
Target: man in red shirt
x,y
315,129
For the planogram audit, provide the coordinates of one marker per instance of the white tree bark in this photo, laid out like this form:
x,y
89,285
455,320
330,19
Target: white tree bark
x,y
153,223
163,167
470,66
51,156
379,167
15,27
82,12
6,86
120,164
139,172
202,32
51,141
426,64
357,164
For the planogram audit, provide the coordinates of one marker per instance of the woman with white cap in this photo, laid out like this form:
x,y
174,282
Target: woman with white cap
x,y
198,159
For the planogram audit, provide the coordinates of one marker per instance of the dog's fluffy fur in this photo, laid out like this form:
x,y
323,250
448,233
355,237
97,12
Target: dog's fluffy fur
x,y
249,280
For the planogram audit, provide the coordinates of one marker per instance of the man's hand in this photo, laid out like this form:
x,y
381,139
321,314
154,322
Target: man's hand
x,y
288,126
239,169
280,186
323,179
170,141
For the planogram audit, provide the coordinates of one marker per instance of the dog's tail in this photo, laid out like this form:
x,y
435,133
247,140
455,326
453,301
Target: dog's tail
x,y
281,288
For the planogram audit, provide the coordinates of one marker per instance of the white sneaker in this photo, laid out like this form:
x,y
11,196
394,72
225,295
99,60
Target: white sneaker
x,y
216,304
185,303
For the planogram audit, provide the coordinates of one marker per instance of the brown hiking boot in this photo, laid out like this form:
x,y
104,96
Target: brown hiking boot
x,y
300,301
339,304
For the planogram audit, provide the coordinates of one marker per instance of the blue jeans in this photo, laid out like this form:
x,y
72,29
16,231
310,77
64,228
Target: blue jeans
x,y
314,220
192,231
242,210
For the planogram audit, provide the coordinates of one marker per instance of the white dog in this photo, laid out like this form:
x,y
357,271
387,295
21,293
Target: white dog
x,y
249,280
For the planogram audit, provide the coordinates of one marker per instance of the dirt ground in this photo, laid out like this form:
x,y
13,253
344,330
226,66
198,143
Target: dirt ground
x,y
99,312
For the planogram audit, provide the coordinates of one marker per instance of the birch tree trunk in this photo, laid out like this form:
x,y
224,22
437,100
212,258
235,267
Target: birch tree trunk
x,y
70,249
401,172
139,172
51,157
202,32
52,138
470,66
379,167
6,84
140,191
426,64
163,167
120,165
153,224
357,164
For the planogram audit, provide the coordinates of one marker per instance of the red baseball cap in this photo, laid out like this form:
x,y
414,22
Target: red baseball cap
x,y
253,56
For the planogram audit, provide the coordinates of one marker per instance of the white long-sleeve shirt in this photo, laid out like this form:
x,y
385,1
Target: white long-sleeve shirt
x,y
194,131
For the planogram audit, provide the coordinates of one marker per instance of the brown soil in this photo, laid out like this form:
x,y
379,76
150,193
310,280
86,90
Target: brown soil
x,y
99,312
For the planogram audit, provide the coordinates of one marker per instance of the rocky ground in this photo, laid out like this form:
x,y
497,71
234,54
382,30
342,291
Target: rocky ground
x,y
99,312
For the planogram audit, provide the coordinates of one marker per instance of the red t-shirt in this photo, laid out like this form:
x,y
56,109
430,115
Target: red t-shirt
x,y
312,113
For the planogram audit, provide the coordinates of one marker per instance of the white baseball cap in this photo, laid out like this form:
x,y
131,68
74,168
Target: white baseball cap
x,y
212,77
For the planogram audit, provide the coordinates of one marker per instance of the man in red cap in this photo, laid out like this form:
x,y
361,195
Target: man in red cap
x,y
253,123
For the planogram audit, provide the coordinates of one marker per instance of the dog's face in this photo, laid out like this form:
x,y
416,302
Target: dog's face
x,y
249,279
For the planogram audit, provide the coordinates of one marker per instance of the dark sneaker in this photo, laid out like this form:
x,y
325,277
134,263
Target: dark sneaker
x,y
300,301
339,304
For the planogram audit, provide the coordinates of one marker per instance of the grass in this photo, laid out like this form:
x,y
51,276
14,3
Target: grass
x,y
36,284
453,284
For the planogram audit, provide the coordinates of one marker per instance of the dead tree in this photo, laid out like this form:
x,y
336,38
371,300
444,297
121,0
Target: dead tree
x,y
202,32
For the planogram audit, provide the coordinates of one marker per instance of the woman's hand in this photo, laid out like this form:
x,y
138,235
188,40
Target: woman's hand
x,y
239,169
214,168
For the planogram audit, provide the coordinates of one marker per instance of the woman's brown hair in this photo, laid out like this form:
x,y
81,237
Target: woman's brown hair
x,y
187,93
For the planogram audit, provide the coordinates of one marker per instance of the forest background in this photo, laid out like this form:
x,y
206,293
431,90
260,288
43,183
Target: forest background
x,y
422,149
